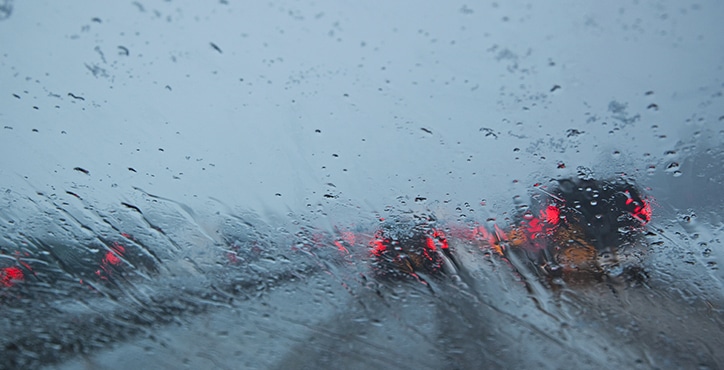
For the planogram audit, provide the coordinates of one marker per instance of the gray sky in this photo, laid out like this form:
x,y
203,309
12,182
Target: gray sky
x,y
239,124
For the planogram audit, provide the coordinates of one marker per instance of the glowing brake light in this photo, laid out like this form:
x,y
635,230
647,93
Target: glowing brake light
x,y
111,258
438,235
378,245
641,211
10,275
551,214
431,244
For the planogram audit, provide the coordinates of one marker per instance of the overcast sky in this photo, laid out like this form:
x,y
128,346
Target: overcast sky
x,y
263,106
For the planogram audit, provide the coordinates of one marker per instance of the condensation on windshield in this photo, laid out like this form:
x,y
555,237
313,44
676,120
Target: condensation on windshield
x,y
382,185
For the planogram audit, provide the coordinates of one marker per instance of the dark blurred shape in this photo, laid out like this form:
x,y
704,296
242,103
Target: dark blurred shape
x,y
81,269
6,9
409,248
584,229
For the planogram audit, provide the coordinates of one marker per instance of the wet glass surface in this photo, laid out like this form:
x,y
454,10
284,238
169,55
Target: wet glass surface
x,y
379,185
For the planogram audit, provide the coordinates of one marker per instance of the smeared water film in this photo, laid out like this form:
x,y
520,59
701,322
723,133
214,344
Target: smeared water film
x,y
391,185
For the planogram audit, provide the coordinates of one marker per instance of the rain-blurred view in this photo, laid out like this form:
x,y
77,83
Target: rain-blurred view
x,y
361,185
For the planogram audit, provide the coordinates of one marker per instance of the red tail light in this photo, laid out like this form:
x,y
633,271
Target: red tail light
x,y
10,275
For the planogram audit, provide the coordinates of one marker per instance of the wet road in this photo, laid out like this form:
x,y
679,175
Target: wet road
x,y
282,303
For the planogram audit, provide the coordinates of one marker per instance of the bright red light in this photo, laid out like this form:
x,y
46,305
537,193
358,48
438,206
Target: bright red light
x,y
112,256
9,275
535,227
551,214
437,234
643,212
378,246
431,244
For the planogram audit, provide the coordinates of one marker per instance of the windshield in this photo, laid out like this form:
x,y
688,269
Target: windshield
x,y
361,185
